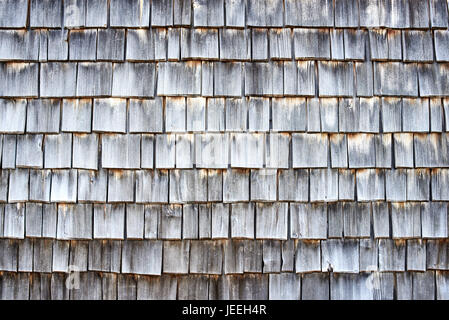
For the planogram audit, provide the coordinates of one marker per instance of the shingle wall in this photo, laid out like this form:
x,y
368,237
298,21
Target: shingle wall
x,y
224,149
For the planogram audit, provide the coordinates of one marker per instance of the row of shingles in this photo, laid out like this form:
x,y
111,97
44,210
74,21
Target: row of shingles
x,y
220,151
152,186
213,115
193,78
154,257
217,13
223,257
312,286
224,44
280,221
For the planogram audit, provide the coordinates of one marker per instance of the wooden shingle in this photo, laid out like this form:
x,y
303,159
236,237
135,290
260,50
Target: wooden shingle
x,y
109,221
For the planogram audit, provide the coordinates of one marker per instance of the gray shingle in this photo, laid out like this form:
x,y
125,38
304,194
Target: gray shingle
x,y
418,184
403,150
223,71
94,79
311,44
9,151
309,13
368,255
215,114
327,111
111,44
161,13
423,285
208,13
29,151
4,179
315,286
378,44
308,256
433,79
337,44
235,13
56,44
289,114
438,14
272,221
85,151
415,115
441,285
127,80
211,150
436,115
14,221
13,13
293,185
140,45
271,255
40,185
74,222
43,116
440,179
355,44
396,79
418,46
434,220
383,144
19,45
357,219
13,115
151,186
188,186
335,79
170,222
175,114
173,44
351,287
361,150
196,109
58,79
63,186
142,257
310,150
83,45
284,286
426,146
46,13
220,221
215,185
441,44
405,220
14,74
109,115
184,151
258,114
165,151
76,115
346,13
121,151
145,115
199,43
130,13
18,185
340,256
234,44
396,185
264,13
339,151
259,44
364,78
323,185
391,255
280,44
391,114
335,220
212,254
236,114
247,150
308,220
277,150
235,185
264,79
92,185
109,221
263,185
121,185
370,184
58,151
176,78
242,220
182,12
